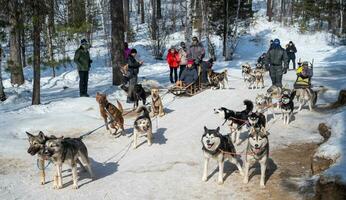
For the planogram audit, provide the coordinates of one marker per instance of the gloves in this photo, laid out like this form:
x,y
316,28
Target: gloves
x,y
284,71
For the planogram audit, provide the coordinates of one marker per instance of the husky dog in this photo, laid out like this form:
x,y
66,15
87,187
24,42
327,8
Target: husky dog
x,y
142,126
139,94
259,73
245,69
275,93
109,110
156,103
306,95
67,150
37,143
257,120
236,119
257,150
220,148
218,80
264,104
287,106
250,80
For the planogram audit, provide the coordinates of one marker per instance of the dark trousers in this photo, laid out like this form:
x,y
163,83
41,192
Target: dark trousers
x,y
293,61
83,82
171,70
275,73
182,68
132,82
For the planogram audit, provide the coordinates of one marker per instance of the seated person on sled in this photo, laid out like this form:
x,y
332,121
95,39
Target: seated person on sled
x,y
188,76
304,74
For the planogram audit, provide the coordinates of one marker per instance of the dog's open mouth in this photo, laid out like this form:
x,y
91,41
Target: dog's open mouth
x,y
257,150
210,145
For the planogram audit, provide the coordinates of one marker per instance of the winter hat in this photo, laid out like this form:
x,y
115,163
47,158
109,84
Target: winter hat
x,y
182,44
211,61
190,62
83,42
133,51
276,42
194,38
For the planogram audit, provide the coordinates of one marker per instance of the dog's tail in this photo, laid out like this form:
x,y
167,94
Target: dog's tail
x,y
293,95
144,110
249,106
120,107
314,100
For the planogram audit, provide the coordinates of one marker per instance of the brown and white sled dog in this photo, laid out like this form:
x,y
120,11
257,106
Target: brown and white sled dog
x,y
67,150
156,103
37,143
259,74
108,110
218,147
257,151
142,126
218,80
306,95
264,104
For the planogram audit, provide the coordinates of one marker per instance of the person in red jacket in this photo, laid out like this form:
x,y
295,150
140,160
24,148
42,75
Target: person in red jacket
x,y
173,60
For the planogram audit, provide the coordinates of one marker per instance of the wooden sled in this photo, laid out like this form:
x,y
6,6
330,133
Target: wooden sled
x,y
188,90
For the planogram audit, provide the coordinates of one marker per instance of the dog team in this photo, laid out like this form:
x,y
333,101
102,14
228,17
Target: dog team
x,y
215,145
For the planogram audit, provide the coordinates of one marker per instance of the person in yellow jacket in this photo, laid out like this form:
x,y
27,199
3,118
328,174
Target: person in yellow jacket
x,y
304,74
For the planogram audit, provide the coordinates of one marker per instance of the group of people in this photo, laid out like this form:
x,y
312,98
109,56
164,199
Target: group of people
x,y
187,60
277,60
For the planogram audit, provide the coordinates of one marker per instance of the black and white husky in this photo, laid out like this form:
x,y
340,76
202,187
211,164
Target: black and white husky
x,y
218,147
287,106
142,126
236,119
257,120
257,151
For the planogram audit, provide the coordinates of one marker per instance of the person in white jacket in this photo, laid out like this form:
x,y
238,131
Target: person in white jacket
x,y
183,58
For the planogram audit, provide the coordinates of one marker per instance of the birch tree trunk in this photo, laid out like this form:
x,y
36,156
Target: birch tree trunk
x,y
117,41
188,27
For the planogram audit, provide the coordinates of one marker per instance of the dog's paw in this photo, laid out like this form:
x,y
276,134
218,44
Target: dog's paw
x,y
220,182
245,180
262,186
42,182
75,187
241,172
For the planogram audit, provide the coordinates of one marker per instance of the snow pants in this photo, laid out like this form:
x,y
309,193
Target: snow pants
x,y
275,72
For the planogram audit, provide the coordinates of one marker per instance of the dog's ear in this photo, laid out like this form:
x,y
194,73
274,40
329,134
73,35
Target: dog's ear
x,y
41,135
218,129
29,134
205,129
263,131
97,93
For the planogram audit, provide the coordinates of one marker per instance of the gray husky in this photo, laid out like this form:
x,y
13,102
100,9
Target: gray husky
x,y
220,148
62,150
257,151
306,95
37,143
142,126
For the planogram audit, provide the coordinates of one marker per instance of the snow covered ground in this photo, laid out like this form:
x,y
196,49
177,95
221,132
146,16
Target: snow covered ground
x,y
172,167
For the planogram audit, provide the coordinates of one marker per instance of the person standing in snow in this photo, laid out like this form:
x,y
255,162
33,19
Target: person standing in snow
x,y
291,53
183,58
83,61
133,67
277,63
205,67
127,51
196,51
2,93
173,61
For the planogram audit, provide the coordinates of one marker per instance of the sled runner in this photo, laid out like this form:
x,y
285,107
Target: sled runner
x,y
190,89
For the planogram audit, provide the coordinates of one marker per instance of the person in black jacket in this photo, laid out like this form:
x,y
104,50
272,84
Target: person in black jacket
x,y
291,53
277,63
133,70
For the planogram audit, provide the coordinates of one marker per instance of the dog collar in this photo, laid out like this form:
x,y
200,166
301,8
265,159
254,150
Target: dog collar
x,y
260,153
211,152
